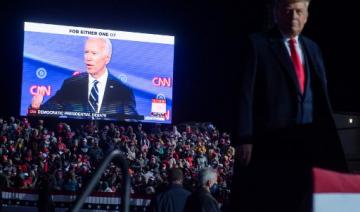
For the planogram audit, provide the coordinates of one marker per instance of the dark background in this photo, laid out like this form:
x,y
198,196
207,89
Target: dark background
x,y
206,46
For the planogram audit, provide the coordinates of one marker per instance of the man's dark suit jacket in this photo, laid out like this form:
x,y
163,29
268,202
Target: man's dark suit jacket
x,y
171,200
73,96
284,151
269,100
201,200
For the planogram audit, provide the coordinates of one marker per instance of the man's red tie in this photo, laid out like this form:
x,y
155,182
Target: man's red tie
x,y
295,57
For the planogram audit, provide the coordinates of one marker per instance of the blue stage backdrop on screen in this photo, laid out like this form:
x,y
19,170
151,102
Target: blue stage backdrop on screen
x,y
87,73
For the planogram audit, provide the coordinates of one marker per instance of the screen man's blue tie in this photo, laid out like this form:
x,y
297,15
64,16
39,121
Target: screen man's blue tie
x,y
94,97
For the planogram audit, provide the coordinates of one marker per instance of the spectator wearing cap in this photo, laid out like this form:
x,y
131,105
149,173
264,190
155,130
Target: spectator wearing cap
x,y
174,198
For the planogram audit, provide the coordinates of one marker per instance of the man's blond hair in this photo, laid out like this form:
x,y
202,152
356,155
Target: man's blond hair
x,y
278,2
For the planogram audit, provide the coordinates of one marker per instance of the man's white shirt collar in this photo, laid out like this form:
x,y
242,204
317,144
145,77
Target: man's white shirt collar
x,y
297,45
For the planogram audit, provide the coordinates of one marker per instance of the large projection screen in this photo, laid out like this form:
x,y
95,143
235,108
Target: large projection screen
x,y
133,74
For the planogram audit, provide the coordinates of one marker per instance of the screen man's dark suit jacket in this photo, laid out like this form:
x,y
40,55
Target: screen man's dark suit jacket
x,y
73,96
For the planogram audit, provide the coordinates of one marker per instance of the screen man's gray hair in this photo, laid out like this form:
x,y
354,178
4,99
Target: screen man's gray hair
x,y
107,42
207,174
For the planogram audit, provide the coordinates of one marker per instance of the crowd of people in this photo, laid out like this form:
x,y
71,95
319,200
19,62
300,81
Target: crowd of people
x,y
31,151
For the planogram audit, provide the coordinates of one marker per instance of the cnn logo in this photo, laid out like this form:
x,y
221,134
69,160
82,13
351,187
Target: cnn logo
x,y
162,81
36,89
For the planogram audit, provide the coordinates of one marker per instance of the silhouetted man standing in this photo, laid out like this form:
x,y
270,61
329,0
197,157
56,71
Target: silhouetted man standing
x,y
201,199
285,119
174,198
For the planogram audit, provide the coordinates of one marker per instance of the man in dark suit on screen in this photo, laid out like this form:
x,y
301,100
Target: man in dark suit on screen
x,y
285,123
96,91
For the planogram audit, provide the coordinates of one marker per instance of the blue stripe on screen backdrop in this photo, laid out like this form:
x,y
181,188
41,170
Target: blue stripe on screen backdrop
x,y
136,63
